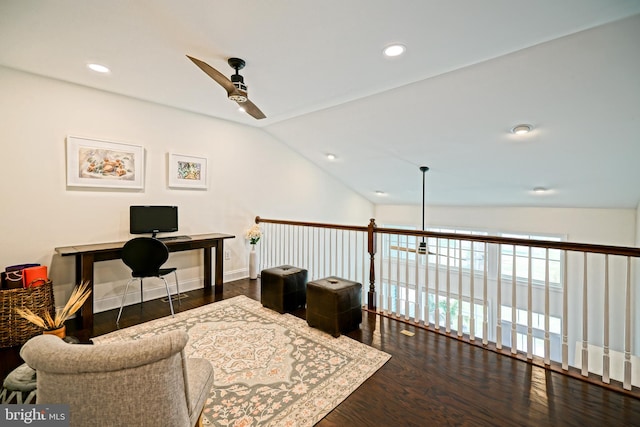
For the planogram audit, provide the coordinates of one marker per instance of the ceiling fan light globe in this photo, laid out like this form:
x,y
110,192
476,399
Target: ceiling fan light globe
x,y
238,97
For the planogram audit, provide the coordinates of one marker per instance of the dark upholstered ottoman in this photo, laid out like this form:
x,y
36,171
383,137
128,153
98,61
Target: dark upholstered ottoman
x,y
283,288
333,305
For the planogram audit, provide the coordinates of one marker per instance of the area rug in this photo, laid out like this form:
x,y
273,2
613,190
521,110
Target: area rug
x,y
270,369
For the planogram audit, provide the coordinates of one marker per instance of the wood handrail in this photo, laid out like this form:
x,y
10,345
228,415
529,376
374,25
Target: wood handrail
x,y
569,246
312,224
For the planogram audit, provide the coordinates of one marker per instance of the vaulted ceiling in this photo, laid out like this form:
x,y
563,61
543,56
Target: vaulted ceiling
x,y
472,70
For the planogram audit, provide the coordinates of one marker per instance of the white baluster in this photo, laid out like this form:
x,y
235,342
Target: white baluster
x,y
436,314
626,383
485,303
416,304
309,264
459,291
342,257
447,314
366,259
327,248
514,307
300,247
499,301
330,253
349,256
425,305
281,246
407,303
287,245
389,275
585,322
565,312
547,342
398,296
529,307
316,256
606,362
472,305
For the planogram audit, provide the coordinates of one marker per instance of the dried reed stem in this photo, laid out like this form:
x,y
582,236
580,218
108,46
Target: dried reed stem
x,y
78,297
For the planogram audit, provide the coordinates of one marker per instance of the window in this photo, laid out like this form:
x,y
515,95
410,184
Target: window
x,y
400,246
538,263
470,256
403,303
537,331
458,252
454,310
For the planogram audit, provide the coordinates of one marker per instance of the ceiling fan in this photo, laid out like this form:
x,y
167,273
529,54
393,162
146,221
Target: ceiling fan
x,y
236,89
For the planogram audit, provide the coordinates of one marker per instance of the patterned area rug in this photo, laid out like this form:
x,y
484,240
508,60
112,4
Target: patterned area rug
x,y
270,369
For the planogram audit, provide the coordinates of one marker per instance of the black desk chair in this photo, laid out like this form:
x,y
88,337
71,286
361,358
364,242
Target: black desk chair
x,y
144,256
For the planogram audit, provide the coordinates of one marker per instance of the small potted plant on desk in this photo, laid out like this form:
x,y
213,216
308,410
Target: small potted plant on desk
x,y
55,325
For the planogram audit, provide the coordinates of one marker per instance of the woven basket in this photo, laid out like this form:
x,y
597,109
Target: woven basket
x,y
15,330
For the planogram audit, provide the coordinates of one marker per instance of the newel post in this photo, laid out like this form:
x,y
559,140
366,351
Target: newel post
x,y
371,234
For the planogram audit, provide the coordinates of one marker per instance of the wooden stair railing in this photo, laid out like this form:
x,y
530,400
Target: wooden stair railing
x,y
384,297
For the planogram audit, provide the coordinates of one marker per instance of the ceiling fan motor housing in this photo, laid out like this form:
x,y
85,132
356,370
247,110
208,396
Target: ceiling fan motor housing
x,y
240,95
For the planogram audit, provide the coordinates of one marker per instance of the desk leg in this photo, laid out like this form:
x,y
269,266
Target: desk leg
x,y
84,273
219,267
207,267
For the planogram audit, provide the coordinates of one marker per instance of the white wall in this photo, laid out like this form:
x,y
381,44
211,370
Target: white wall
x,y
251,174
595,226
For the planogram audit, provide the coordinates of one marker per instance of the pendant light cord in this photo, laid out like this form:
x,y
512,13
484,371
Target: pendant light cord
x,y
424,170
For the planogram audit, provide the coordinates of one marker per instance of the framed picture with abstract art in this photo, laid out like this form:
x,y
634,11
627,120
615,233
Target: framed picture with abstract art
x,y
187,171
104,164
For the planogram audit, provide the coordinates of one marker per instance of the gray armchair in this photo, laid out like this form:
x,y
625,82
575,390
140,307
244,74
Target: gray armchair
x,y
146,382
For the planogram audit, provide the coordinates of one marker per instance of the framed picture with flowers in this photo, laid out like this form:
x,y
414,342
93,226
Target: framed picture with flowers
x,y
187,171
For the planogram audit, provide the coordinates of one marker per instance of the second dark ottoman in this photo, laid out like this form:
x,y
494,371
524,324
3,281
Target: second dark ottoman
x,y
283,288
333,305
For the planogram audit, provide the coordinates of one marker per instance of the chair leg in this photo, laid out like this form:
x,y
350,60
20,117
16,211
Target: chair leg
x,y
178,288
166,284
123,297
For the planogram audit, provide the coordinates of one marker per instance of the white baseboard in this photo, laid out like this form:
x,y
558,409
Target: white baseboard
x,y
158,290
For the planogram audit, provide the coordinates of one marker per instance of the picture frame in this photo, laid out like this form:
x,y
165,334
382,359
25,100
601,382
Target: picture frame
x,y
187,171
97,163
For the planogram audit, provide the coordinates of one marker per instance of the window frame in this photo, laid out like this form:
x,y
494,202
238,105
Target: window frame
x,y
492,253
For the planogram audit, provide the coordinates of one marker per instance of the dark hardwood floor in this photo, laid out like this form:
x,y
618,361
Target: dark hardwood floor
x,y
435,380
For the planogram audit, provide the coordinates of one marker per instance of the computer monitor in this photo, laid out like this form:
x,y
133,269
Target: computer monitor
x,y
153,219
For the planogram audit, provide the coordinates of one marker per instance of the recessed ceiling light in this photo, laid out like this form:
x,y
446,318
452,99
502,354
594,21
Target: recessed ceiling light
x,y
99,68
380,193
540,190
521,129
394,50
331,156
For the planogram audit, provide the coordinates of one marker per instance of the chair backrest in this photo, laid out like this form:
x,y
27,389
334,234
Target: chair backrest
x,y
144,256
129,383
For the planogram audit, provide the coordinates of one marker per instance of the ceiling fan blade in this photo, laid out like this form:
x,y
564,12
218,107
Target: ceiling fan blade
x,y
251,109
216,75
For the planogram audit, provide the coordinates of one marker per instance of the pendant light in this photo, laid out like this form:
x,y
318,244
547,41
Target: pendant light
x,y
422,249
